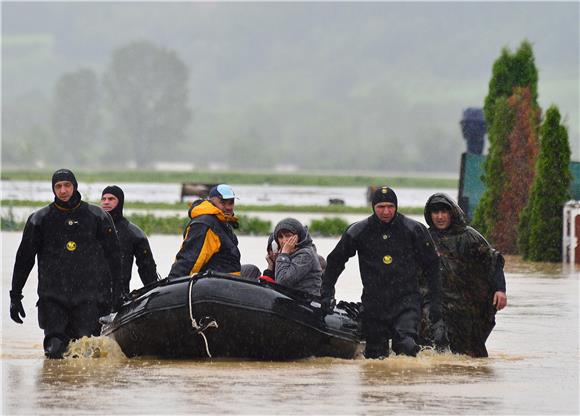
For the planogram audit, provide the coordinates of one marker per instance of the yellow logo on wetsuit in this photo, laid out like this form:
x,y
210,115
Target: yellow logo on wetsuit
x,y
71,246
387,259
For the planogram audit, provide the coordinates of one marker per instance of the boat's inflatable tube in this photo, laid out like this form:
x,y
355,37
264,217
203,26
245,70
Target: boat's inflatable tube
x,y
217,315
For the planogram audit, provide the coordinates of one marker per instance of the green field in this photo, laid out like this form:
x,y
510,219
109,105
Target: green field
x,y
175,224
239,178
330,209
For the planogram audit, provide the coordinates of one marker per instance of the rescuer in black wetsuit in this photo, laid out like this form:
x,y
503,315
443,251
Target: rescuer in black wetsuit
x,y
392,251
79,265
132,239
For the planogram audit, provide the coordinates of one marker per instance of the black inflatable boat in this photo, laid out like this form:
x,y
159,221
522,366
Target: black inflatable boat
x,y
218,315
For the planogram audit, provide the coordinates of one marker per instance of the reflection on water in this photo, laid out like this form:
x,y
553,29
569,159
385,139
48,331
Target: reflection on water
x,y
431,383
516,265
402,383
80,372
532,369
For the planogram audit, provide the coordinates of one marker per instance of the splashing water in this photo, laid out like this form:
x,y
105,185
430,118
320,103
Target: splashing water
x,y
94,347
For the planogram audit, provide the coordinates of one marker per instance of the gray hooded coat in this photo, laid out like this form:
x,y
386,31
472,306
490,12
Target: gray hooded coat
x,y
301,269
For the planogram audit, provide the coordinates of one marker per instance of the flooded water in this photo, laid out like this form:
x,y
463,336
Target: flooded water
x,y
532,369
248,194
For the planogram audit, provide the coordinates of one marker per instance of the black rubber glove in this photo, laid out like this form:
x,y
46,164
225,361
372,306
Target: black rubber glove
x,y
440,338
16,308
352,309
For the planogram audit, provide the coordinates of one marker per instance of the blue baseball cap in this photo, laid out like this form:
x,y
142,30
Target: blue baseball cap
x,y
222,191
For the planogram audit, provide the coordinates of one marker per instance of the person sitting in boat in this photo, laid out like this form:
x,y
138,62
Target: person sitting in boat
x,y
209,242
272,253
292,258
472,280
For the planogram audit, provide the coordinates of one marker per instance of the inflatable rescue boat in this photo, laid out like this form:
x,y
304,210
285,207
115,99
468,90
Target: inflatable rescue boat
x,y
220,315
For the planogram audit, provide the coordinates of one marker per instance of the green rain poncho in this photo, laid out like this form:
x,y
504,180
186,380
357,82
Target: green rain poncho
x,y
471,272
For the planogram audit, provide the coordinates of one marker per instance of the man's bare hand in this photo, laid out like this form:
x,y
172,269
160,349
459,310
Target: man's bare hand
x,y
499,300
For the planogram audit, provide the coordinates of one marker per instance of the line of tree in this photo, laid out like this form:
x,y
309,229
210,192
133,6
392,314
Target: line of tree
x,y
136,110
146,91
526,173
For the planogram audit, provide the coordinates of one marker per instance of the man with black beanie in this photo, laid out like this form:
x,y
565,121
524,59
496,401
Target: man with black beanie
x,y
393,250
79,266
132,239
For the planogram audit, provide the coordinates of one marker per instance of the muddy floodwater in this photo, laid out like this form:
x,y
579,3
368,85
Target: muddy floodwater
x,y
532,369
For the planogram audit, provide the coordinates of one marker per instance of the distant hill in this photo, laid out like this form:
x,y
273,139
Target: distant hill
x,y
337,86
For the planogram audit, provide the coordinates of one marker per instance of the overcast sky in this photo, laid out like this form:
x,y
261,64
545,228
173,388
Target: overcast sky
x,y
398,70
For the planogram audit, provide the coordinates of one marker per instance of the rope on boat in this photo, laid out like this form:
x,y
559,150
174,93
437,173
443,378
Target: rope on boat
x,y
205,325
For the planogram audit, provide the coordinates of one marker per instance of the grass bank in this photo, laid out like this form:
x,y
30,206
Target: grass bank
x,y
239,178
174,225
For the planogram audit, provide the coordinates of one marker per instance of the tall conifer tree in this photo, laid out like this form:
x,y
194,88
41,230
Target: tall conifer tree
x,y
540,228
485,216
510,72
518,163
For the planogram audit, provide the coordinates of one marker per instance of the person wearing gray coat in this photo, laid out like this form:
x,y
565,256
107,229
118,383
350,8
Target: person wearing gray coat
x,y
296,264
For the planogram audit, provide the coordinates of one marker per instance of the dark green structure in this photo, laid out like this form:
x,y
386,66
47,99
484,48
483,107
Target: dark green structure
x,y
471,186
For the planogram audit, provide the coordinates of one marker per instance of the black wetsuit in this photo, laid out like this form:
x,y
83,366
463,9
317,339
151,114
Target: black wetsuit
x,y
78,268
134,244
391,258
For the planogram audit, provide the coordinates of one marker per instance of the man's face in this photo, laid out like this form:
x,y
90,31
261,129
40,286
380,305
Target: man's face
x,y
441,218
385,211
225,205
109,202
64,190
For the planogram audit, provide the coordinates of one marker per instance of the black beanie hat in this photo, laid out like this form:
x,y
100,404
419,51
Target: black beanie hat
x,y
114,190
116,212
64,175
384,194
